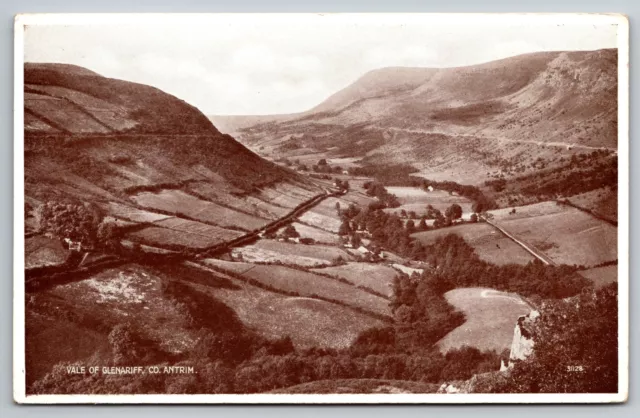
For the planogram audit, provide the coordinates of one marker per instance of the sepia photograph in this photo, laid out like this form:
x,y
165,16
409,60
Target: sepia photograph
x,y
321,208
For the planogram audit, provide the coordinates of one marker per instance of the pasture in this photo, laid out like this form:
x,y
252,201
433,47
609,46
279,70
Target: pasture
x,y
253,254
318,220
318,235
306,284
249,204
309,322
377,277
490,244
490,315
527,211
289,253
179,202
601,276
567,236
278,198
162,237
193,227
132,214
416,199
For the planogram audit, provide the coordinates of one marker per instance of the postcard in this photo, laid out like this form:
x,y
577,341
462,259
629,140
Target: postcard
x,y
321,208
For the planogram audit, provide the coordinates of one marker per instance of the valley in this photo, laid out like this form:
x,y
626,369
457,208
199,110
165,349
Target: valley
x,y
387,240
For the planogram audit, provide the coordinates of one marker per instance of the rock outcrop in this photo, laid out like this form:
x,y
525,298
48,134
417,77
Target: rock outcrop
x,y
521,348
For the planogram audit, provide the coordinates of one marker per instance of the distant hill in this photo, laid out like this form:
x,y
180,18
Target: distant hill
x,y
90,137
465,121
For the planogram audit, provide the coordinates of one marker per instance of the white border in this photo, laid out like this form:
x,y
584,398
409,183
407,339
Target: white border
x,y
458,19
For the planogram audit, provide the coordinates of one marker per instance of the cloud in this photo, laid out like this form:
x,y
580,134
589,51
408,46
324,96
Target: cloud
x,y
281,64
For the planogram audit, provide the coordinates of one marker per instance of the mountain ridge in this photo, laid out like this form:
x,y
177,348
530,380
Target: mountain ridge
x,y
506,112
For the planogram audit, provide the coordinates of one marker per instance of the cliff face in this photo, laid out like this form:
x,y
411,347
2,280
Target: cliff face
x,y
522,344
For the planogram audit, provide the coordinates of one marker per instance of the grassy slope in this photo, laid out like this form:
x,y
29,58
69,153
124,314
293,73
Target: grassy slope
x,y
490,244
490,318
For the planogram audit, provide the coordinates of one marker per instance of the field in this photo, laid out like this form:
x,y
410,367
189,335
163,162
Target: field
x,y
309,322
566,235
490,319
327,223
603,202
318,235
377,277
360,386
278,198
178,202
328,206
306,284
289,253
601,276
490,244
41,251
133,214
62,113
192,227
416,199
528,211
253,254
162,237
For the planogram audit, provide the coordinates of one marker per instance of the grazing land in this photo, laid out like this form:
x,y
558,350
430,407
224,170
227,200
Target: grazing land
x,y
40,251
132,214
566,235
316,234
306,284
490,318
178,202
490,244
602,202
197,228
309,322
318,220
265,251
163,237
377,277
416,199
601,276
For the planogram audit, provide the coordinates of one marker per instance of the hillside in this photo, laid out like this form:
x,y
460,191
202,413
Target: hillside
x,y
141,156
473,122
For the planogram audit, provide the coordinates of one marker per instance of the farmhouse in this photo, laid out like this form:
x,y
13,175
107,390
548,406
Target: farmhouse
x,y
73,245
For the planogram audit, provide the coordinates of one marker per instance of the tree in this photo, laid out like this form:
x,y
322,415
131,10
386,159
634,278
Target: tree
x,y
410,227
473,218
345,228
322,162
78,222
453,212
403,213
422,225
290,232
356,241
478,207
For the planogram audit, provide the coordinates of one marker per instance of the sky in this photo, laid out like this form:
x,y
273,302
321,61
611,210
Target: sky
x,y
273,64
